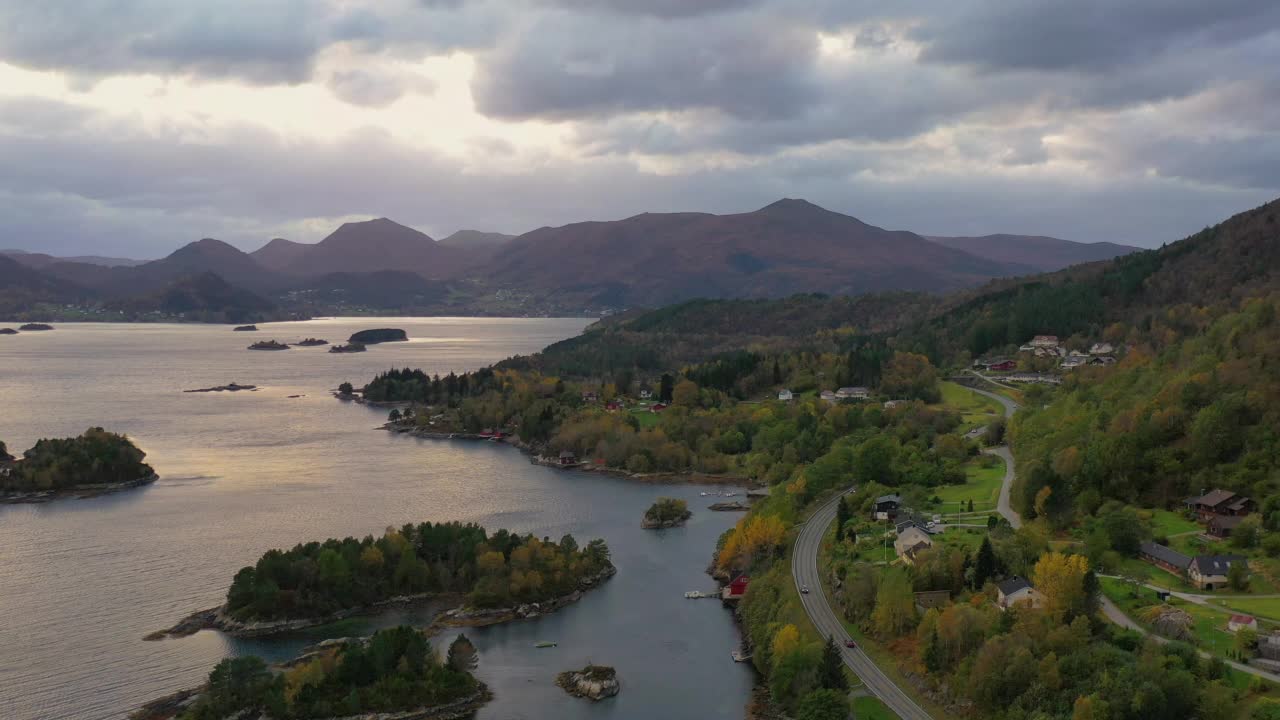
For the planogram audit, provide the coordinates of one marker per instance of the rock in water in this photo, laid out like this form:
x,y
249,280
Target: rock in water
x,y
594,682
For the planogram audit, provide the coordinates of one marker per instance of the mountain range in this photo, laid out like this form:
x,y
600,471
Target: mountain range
x,y
791,246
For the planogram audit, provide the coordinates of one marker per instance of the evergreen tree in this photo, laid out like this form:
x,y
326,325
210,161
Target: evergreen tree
x,y
985,568
831,671
970,505
666,388
842,516
777,373
1092,588
462,655
932,652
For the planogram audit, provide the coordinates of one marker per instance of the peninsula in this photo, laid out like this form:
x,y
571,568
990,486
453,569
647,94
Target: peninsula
x,y
94,463
392,675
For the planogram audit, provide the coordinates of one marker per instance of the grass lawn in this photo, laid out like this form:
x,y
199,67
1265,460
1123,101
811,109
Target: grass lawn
x,y
983,487
1210,623
1166,523
644,417
975,410
870,708
1262,607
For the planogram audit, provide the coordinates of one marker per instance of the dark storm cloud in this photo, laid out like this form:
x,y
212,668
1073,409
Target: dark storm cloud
x,y
1088,35
255,41
569,66
660,8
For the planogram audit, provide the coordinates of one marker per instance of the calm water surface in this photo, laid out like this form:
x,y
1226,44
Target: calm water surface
x,y
81,581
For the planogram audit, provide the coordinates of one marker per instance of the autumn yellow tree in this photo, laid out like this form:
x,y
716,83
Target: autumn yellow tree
x,y
785,641
1060,579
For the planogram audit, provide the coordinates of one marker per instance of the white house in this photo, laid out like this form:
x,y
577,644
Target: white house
x,y
852,393
1044,341
785,395
1209,572
828,396
1017,590
1101,348
911,541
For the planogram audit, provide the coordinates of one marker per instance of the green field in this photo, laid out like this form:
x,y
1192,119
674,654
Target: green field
x,y
1210,627
644,417
1262,607
975,410
870,708
983,487
1166,523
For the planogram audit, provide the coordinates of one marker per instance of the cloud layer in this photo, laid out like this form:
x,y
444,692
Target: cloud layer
x,y
134,126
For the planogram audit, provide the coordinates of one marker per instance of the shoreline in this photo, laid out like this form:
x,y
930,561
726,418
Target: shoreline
x,y
32,497
452,613
688,477
174,704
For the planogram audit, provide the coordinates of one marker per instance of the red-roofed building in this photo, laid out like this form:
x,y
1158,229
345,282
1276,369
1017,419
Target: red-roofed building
x,y
1242,622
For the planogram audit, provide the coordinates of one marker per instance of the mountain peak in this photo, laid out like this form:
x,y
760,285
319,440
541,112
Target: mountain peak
x,y
792,205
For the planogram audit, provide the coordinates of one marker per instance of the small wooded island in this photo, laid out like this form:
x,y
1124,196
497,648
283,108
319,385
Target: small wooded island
x,y
394,673
246,328
378,335
354,347
665,513
268,345
8,331
594,682
95,462
499,577
35,326
312,342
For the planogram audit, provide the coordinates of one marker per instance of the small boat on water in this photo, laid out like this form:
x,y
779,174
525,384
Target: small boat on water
x,y
696,594
545,644
739,656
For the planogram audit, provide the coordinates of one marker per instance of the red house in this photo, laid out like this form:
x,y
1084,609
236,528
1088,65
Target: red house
x,y
736,588
657,407
613,406
1003,365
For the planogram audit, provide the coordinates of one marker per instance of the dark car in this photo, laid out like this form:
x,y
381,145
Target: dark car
x,y
850,644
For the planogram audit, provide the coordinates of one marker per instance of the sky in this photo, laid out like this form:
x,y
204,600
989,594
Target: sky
x,y
131,127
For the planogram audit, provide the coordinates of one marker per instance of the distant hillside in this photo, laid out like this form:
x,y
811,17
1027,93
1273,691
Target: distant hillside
x,y
380,244
384,289
205,297
280,254
788,247
1036,252
1150,290
41,260
476,239
21,287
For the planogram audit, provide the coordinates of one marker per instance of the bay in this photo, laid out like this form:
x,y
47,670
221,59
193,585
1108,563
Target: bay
x,y
82,581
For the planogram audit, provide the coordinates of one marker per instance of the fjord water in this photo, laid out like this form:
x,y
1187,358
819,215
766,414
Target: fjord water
x,y
82,581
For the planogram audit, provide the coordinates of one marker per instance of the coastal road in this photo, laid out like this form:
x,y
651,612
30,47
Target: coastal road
x,y
804,570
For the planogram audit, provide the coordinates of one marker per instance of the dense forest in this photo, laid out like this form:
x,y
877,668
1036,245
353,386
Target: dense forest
x,y
1195,410
319,578
94,457
395,670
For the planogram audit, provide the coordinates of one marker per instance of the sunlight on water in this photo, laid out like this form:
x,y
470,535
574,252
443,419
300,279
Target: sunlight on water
x,y
81,581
